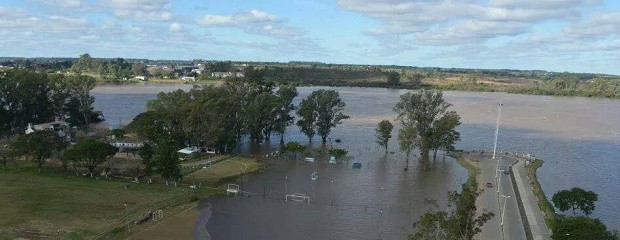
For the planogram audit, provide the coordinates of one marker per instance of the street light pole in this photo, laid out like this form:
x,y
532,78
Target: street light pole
x,y
499,114
499,181
497,167
504,209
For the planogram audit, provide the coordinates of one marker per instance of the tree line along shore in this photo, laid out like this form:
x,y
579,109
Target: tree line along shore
x,y
131,71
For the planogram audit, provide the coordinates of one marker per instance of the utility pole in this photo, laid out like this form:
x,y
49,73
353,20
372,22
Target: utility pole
x,y
499,114
504,209
128,222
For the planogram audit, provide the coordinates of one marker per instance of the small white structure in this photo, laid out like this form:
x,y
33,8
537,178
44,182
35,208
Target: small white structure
x,y
188,79
143,78
297,197
186,152
61,128
332,160
309,159
232,188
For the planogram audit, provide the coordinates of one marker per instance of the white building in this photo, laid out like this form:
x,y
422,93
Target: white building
x,y
61,128
227,74
143,78
188,79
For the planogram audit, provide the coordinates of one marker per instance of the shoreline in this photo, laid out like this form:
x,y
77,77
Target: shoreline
x,y
480,88
536,219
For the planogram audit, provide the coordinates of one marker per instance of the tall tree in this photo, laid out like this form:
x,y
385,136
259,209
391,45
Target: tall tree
x,y
383,132
285,95
422,110
167,160
79,91
460,222
146,153
407,140
444,134
90,154
39,146
307,118
575,199
326,107
24,98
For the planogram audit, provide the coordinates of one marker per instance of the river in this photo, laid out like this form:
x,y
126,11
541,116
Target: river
x,y
578,138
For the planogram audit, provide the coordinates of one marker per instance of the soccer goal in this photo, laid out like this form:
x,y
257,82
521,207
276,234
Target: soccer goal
x,y
298,197
232,188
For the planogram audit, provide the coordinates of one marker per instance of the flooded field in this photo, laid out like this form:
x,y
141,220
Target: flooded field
x,y
578,138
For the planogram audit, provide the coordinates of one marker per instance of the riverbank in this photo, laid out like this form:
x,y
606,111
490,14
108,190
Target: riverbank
x,y
447,85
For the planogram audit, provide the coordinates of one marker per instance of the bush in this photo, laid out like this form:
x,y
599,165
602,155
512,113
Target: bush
x,y
338,152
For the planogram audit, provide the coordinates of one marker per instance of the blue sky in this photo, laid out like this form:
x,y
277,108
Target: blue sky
x,y
555,35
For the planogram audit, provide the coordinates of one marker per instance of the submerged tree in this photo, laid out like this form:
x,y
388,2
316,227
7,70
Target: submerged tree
x,y
307,118
383,132
427,111
320,112
285,94
444,134
407,141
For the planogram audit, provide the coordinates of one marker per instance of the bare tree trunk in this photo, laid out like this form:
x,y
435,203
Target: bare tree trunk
x,y
435,154
407,162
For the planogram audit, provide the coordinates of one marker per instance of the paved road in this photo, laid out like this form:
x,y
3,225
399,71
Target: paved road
x,y
512,227
534,216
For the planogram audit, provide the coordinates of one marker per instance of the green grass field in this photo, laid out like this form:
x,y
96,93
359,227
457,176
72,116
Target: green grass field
x,y
59,206
228,168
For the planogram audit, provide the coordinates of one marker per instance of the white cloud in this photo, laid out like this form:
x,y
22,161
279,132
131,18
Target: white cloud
x,y
254,21
597,25
446,21
175,27
63,3
142,10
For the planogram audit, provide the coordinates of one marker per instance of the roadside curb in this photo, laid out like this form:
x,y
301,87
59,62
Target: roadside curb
x,y
534,217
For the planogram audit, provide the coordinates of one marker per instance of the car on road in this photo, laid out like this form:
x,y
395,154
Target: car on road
x,y
489,185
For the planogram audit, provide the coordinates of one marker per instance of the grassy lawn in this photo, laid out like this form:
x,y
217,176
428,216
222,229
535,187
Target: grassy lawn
x,y
544,204
229,168
59,206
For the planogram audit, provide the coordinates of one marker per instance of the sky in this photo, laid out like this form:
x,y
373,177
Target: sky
x,y
553,35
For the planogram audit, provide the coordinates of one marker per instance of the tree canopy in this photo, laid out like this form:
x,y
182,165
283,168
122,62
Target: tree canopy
x,y
581,228
31,97
427,112
90,153
383,132
39,146
320,112
575,199
459,222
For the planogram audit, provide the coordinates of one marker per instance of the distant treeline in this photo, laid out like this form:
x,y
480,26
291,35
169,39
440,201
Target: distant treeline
x,y
309,74
537,82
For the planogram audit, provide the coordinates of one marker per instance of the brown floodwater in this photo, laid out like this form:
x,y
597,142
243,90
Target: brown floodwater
x,y
578,138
